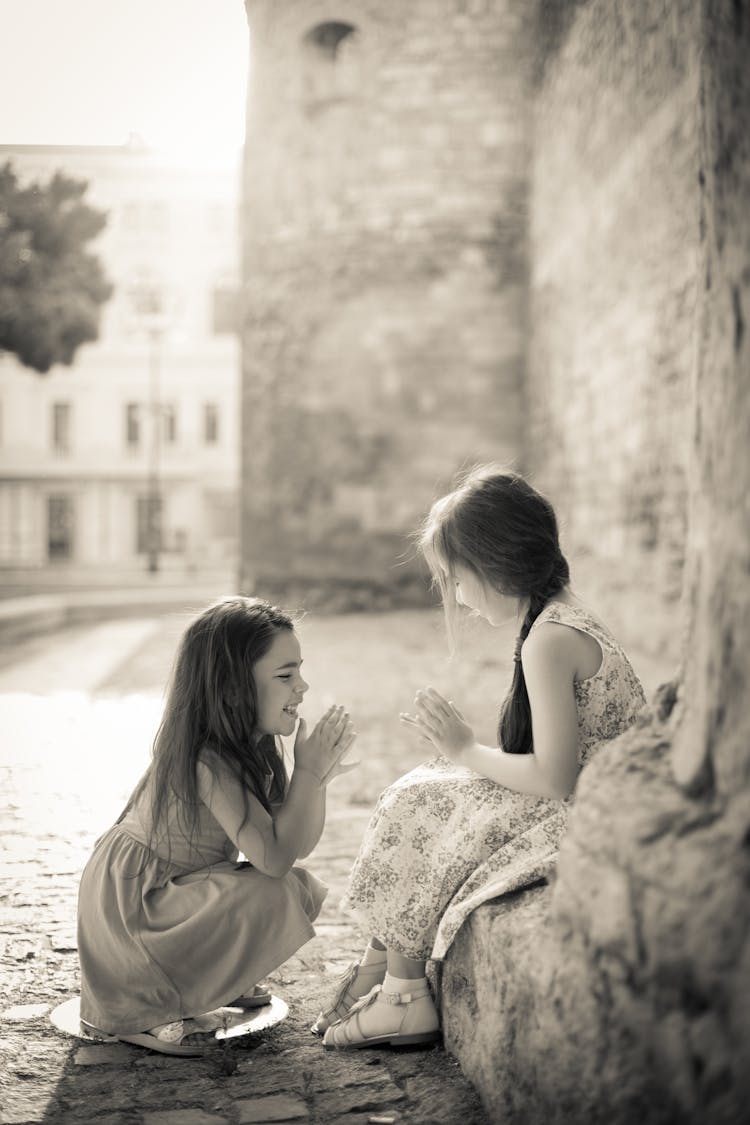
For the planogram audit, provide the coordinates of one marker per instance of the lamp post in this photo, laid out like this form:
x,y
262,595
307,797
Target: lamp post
x,y
148,305
153,483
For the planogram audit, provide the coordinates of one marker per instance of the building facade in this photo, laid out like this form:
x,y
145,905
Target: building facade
x,y
128,460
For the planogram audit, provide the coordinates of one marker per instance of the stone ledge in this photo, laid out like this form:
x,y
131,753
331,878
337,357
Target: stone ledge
x,y
485,988
619,993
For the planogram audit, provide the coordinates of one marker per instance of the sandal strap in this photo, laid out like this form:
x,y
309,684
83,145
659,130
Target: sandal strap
x,y
343,1001
377,993
345,983
364,1001
169,1032
405,997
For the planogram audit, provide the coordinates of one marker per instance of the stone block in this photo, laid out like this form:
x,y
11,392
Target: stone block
x,y
278,1107
25,1012
105,1054
192,1115
370,1096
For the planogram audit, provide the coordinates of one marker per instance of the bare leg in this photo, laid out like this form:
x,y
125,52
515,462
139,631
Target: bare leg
x,y
405,968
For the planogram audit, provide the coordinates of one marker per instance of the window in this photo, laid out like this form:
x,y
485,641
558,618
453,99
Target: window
x,y
61,427
169,422
210,423
132,425
225,310
331,67
60,527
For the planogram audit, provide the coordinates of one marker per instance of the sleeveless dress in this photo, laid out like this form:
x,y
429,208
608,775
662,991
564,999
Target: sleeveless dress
x,y
443,839
176,930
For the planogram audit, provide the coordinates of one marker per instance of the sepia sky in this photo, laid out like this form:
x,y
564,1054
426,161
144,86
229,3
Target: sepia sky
x,y
95,71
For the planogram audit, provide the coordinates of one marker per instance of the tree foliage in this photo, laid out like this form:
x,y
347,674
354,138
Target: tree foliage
x,y
51,287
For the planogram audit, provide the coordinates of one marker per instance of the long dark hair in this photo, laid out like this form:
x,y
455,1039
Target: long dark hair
x,y
212,706
504,531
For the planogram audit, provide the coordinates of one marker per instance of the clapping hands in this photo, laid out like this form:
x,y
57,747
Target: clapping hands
x,y
321,751
439,723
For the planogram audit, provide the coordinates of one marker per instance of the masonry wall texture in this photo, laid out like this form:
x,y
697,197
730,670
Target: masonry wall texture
x,y
385,297
621,992
613,252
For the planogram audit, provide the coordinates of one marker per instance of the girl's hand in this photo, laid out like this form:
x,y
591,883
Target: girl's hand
x,y
321,751
440,723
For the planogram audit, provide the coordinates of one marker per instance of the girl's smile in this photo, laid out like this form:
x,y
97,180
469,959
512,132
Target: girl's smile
x,y
279,685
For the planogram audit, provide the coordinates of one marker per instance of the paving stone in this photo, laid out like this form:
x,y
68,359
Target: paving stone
x,y
25,1012
266,1080
279,1107
372,1097
106,1054
191,1116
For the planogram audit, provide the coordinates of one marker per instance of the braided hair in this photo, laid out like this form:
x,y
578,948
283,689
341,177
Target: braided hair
x,y
496,525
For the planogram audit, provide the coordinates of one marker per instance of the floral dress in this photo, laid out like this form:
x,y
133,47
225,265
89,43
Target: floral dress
x,y
443,839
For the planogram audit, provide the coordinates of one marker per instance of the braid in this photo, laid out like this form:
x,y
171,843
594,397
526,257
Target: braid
x,y
514,726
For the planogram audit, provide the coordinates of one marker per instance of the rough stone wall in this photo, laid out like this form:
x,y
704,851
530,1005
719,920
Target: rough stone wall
x,y
621,993
613,241
385,292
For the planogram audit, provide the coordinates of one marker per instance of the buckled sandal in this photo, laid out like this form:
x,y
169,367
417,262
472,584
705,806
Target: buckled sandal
x,y
416,1025
343,1000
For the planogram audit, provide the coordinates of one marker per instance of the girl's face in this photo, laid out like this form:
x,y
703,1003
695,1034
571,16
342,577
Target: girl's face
x,y
279,685
489,603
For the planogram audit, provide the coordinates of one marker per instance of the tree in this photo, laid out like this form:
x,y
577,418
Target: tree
x,y
51,288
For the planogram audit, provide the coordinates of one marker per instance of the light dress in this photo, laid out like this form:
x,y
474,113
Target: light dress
x,y
443,839
169,935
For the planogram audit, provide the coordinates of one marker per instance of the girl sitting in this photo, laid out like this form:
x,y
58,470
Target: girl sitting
x,y
478,821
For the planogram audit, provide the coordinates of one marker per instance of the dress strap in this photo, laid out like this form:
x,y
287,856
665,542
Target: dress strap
x,y
578,618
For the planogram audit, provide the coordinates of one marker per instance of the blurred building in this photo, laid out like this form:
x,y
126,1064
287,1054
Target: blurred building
x,y
385,290
127,462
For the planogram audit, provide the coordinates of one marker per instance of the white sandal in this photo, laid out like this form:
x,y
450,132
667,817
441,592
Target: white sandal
x,y
413,1023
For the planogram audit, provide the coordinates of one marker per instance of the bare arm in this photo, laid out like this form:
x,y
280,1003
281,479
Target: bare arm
x,y
550,658
274,843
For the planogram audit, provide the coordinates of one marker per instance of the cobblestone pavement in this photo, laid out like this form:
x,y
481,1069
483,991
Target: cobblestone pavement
x,y
77,715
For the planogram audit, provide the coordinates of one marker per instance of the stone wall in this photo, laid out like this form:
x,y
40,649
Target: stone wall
x,y
613,244
385,293
621,992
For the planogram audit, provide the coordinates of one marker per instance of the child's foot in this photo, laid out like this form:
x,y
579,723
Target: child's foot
x,y
356,982
173,1038
395,1019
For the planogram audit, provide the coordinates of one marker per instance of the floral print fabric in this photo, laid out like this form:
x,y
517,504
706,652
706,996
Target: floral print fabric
x,y
443,839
